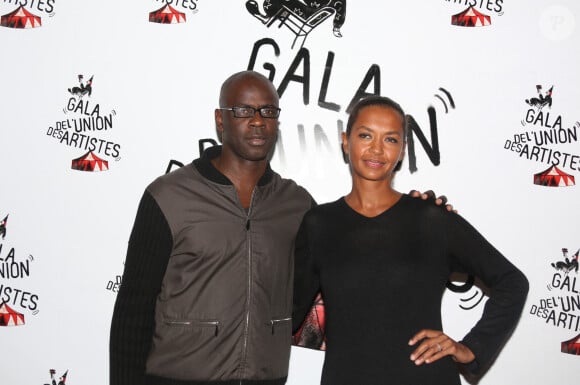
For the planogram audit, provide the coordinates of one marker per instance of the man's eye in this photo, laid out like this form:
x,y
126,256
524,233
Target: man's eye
x,y
268,111
244,111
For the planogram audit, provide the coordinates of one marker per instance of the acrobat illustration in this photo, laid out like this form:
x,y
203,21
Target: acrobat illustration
x,y
83,88
300,16
3,227
542,99
567,265
61,380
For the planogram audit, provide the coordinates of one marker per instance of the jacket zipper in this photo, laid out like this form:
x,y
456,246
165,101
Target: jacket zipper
x,y
248,288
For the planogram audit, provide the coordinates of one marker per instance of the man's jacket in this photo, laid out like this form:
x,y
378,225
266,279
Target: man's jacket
x,y
220,307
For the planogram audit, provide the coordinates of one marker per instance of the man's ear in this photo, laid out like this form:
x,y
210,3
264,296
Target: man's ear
x,y
219,127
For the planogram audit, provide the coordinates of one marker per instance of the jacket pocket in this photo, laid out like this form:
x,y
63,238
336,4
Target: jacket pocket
x,y
193,324
277,339
279,323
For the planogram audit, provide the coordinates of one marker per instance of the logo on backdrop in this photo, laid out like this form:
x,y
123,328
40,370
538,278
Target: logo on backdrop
x,y
299,17
470,17
171,12
3,225
114,285
61,379
560,308
13,270
85,126
546,139
477,12
298,75
372,79
571,346
27,14
471,295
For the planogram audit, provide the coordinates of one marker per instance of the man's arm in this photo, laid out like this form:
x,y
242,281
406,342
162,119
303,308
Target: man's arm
x,y
306,281
133,320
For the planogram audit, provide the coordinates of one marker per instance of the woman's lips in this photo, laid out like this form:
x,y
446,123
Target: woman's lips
x,y
374,163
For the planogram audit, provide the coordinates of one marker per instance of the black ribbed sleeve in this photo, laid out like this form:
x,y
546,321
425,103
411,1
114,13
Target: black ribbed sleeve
x,y
133,321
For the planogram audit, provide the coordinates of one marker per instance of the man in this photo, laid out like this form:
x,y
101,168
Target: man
x,y
207,286
206,293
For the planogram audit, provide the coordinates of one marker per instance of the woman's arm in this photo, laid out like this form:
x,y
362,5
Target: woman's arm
x,y
472,253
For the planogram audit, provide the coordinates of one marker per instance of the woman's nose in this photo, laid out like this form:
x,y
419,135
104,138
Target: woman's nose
x,y
377,146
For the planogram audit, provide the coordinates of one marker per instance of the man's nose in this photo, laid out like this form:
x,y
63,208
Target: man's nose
x,y
257,119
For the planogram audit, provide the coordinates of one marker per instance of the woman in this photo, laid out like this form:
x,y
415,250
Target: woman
x,y
381,260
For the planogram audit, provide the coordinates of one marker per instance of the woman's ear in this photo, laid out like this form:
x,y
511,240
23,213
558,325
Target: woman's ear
x,y
402,154
400,158
344,147
344,138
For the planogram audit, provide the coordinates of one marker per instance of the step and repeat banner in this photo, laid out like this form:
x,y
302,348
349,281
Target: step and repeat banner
x,y
98,98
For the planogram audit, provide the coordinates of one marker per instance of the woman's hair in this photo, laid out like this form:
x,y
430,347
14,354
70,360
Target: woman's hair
x,y
375,100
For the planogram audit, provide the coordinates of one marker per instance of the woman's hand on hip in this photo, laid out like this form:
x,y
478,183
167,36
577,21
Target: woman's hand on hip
x,y
434,344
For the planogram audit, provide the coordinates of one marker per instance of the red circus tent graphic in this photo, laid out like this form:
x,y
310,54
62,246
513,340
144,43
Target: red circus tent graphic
x,y
471,17
20,18
572,346
9,317
554,177
167,15
89,162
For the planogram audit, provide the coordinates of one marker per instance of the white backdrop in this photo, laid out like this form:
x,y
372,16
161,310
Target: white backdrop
x,y
154,88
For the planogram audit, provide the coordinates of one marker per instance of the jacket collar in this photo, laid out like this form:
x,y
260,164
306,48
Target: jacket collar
x,y
206,168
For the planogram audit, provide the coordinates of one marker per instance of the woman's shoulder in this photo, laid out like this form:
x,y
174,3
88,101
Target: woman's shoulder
x,y
327,207
425,208
325,211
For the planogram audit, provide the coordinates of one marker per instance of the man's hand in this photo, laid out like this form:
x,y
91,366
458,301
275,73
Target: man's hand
x,y
429,194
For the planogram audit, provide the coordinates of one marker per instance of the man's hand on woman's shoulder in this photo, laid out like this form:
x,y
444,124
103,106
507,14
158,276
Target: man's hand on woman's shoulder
x,y
429,194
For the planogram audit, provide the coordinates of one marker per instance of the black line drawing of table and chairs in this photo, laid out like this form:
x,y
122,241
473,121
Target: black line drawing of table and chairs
x,y
300,18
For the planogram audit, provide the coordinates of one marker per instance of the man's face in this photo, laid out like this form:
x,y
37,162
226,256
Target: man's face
x,y
251,138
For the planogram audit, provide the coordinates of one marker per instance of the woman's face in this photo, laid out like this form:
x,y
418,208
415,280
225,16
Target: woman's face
x,y
375,144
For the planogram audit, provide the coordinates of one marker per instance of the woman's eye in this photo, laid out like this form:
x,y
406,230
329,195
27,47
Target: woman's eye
x,y
364,136
392,140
